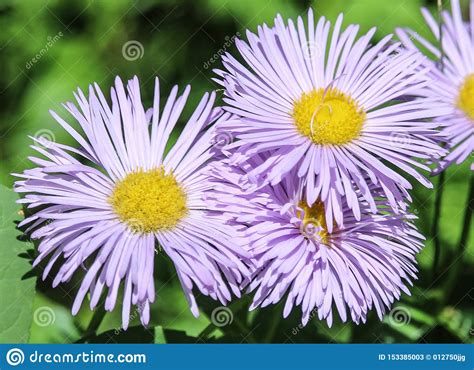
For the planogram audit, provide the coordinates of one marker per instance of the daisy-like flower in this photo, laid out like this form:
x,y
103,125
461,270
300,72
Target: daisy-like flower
x,y
364,265
332,109
452,78
106,213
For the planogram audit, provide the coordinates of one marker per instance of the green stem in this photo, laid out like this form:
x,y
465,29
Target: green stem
x,y
440,16
467,217
442,176
453,278
435,232
273,325
208,330
94,324
245,329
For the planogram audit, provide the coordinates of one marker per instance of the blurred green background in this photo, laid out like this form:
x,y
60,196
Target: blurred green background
x,y
79,42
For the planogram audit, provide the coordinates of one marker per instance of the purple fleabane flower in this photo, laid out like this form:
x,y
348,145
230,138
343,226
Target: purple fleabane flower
x,y
364,265
107,208
452,78
332,109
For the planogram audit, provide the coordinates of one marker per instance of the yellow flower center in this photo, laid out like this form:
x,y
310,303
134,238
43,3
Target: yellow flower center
x,y
466,97
314,217
149,201
328,117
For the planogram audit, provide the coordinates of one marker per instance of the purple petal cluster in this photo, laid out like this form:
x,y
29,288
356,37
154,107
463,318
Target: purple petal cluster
x,y
350,191
76,222
454,69
364,265
284,62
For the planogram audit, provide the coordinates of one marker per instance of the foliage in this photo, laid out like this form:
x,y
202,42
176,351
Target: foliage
x,y
17,286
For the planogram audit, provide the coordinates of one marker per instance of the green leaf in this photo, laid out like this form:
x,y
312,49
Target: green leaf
x,y
409,321
251,13
410,331
422,317
383,15
458,322
176,316
134,334
160,335
53,322
139,334
16,290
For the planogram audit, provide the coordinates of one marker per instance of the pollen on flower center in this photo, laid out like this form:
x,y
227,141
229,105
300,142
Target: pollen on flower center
x,y
149,201
328,117
314,221
466,96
